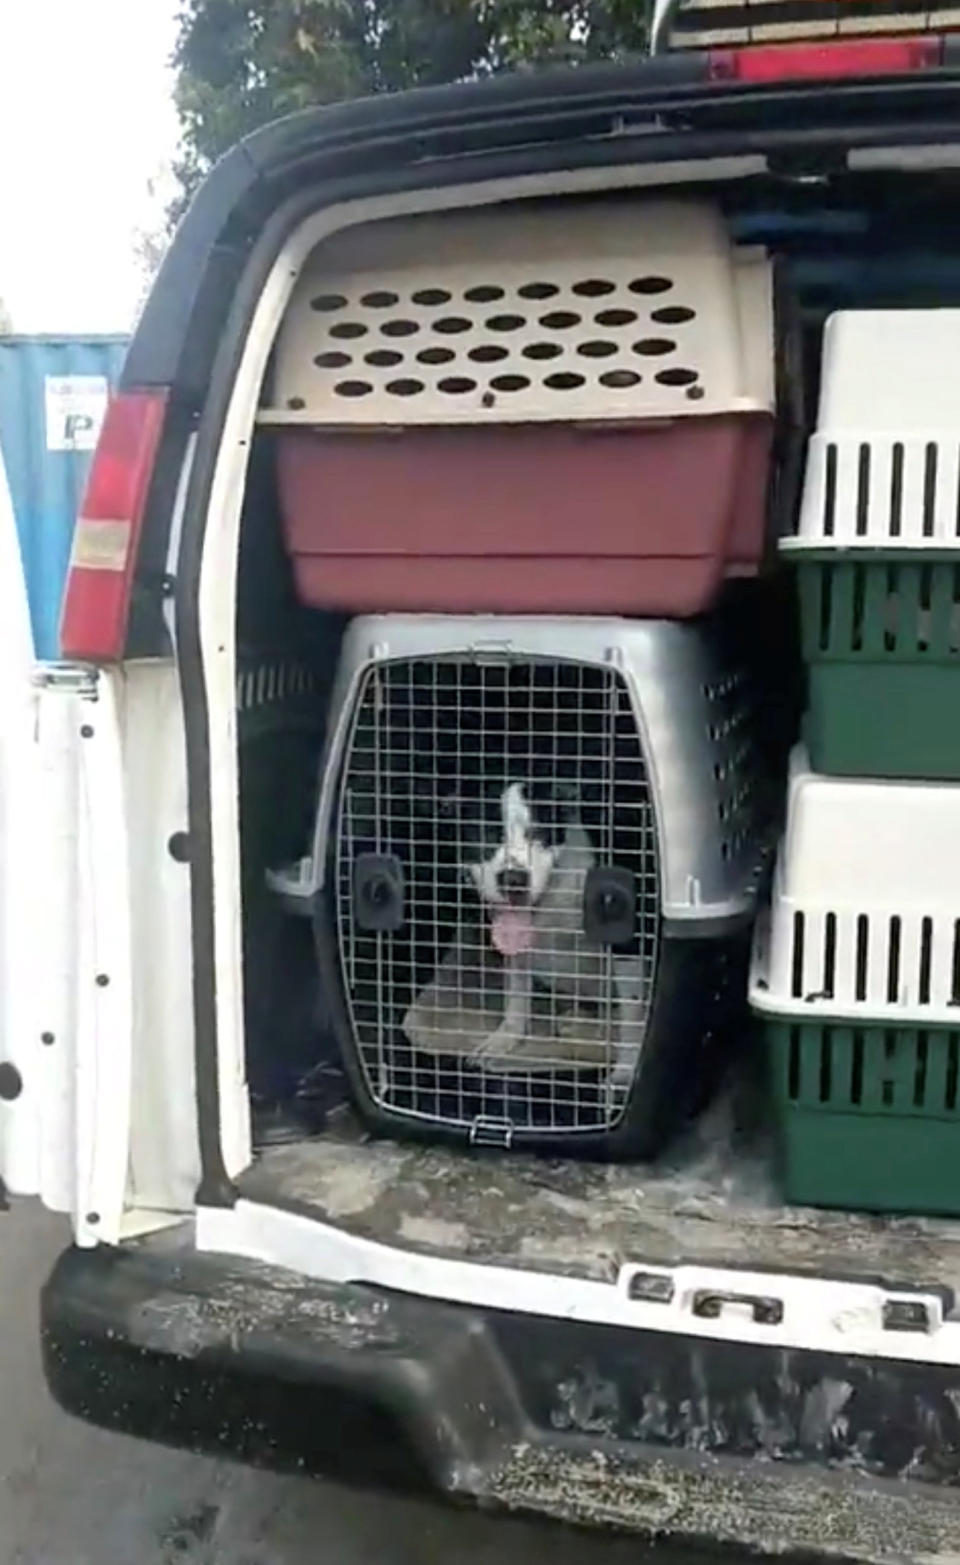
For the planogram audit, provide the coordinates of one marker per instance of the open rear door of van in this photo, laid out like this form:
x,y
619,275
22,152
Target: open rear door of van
x,y
65,1001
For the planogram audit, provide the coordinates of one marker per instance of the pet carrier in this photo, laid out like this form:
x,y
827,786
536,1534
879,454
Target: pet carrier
x,y
536,859
878,548
856,976
560,408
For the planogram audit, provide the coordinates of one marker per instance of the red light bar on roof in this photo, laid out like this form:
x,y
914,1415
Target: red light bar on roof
x,y
833,61
706,24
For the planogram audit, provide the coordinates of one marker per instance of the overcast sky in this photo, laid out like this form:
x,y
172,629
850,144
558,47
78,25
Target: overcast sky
x,y
86,120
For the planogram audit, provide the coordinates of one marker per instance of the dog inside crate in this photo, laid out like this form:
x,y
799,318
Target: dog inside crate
x,y
498,889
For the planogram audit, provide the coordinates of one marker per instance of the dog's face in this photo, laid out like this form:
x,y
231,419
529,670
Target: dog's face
x,y
511,838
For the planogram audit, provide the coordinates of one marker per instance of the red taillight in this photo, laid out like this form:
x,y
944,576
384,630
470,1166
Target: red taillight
x,y
827,61
97,602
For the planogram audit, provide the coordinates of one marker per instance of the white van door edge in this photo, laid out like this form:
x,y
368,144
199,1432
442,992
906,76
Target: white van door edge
x,y
65,988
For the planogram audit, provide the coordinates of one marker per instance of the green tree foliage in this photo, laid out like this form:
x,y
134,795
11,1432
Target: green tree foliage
x,y
241,63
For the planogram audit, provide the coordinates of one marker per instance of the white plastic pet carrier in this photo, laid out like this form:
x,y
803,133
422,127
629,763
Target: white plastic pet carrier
x,y
611,758
883,469
864,923
589,311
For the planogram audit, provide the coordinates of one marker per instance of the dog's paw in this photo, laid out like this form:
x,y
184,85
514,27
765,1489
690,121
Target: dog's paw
x,y
500,1043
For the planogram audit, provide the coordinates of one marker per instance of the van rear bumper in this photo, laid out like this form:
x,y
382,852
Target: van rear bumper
x,y
391,1389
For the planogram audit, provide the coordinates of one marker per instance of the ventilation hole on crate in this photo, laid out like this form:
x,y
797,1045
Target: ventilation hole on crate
x,y
431,297
564,380
327,302
920,1072
673,315
930,460
925,593
829,955
863,945
826,1064
510,382
677,377
926,960
955,612
863,490
383,358
857,607
953,1062
506,322
893,961
488,353
793,1065
893,611
332,361
346,329
406,387
830,491
597,348
537,290
542,350
651,284
400,328
380,299
620,380
896,490
594,287
617,317
353,388
484,293
824,580
560,320
796,976
436,355
457,385
856,1068
452,325
654,347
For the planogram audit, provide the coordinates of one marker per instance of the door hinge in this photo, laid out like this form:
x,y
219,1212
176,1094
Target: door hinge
x,y
73,678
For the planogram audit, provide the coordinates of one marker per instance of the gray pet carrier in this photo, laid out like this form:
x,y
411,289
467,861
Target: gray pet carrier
x,y
613,760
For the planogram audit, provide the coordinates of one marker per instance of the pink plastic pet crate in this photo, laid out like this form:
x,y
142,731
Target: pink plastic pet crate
x,y
564,409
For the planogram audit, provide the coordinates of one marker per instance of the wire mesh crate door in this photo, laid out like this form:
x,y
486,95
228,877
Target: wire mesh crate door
x,y
451,761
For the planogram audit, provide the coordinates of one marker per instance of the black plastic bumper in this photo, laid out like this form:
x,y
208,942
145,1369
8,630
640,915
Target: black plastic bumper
x,y
707,1442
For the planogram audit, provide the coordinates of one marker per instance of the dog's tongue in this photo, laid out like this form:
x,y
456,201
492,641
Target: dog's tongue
x,y
511,930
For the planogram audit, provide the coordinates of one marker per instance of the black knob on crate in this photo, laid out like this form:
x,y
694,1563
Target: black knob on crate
x,y
378,892
610,905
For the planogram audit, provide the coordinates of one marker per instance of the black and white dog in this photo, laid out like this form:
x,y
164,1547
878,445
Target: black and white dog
x,y
527,854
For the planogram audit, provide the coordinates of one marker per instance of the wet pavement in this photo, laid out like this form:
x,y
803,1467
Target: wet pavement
x,y
73,1495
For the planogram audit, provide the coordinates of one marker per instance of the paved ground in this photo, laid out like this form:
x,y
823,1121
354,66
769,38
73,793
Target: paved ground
x,y
71,1495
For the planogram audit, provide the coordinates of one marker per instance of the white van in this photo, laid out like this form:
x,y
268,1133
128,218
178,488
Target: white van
x,y
660,1346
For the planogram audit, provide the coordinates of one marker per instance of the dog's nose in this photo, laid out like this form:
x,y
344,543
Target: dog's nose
x,y
513,881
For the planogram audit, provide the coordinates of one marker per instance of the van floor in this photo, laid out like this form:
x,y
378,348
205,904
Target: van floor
x,y
712,1200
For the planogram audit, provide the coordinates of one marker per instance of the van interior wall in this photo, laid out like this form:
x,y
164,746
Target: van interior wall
x,y
870,242
286,658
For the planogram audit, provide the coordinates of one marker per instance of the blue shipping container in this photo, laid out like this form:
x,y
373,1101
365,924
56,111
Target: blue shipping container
x,y
53,395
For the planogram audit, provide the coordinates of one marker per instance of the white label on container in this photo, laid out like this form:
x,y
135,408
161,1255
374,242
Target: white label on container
x,y
75,407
